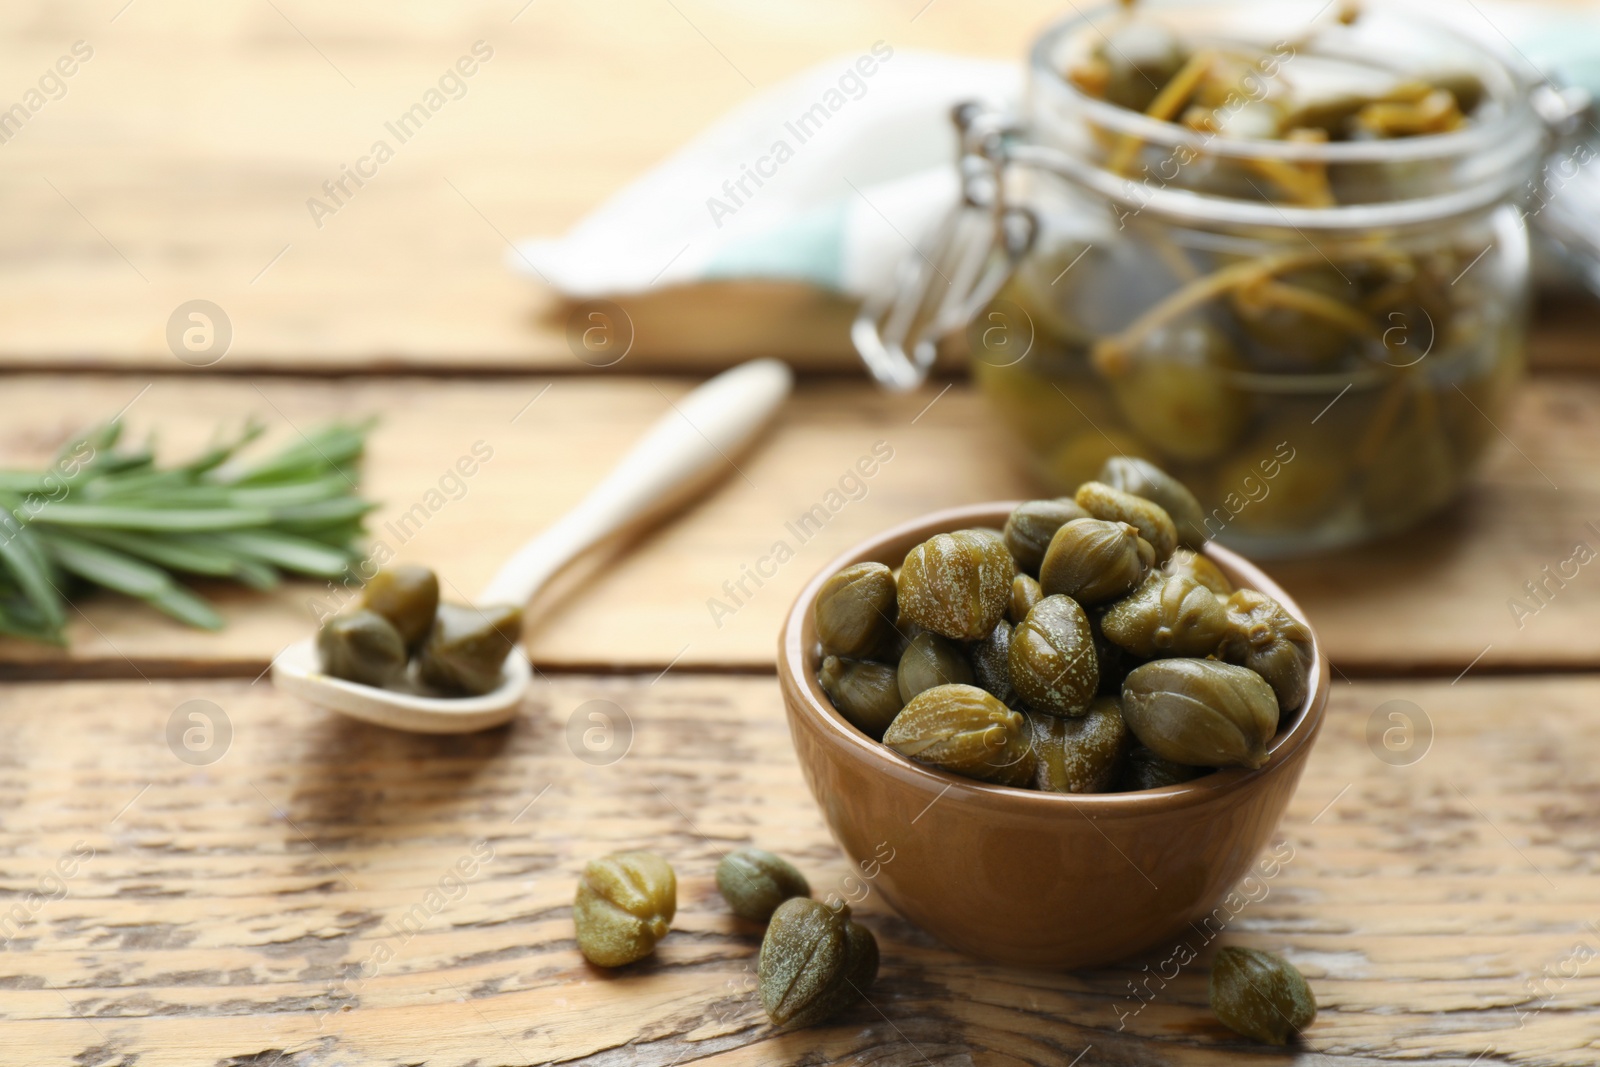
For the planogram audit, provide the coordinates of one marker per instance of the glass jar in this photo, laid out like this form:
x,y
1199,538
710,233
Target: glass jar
x,y
1318,337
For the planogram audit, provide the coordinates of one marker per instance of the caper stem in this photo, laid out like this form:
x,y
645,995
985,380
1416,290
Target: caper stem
x,y
1168,101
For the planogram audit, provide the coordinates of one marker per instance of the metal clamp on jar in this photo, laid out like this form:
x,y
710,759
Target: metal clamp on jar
x,y
1278,249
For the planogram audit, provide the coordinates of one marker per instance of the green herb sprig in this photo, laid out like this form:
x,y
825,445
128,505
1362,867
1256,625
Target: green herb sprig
x,y
108,516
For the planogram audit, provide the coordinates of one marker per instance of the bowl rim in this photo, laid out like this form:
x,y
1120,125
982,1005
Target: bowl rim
x,y
805,695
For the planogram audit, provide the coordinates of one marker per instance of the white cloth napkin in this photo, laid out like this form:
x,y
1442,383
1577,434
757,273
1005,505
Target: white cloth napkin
x,y
829,177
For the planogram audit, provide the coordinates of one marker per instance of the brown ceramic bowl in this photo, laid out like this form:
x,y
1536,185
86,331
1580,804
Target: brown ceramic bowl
x,y
1023,877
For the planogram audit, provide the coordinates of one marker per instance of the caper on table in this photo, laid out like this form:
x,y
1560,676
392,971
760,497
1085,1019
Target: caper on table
x,y
1260,995
754,882
625,904
814,961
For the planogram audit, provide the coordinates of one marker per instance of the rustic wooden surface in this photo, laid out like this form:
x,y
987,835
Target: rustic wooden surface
x,y
1435,599
225,909
178,164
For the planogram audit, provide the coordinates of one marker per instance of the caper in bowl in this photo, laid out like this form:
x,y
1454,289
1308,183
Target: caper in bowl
x,y
984,792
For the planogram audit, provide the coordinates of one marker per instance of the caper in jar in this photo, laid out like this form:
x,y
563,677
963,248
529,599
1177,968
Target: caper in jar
x,y
956,584
754,882
991,662
625,904
1139,57
1146,516
962,729
1193,565
1260,995
1177,390
1094,560
866,693
1083,755
856,611
1053,665
1025,593
1032,524
361,646
1167,616
408,596
814,961
466,650
1264,637
1144,479
1200,712
931,660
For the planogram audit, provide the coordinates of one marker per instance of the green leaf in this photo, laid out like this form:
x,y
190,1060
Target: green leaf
x,y
177,520
287,551
26,563
125,574
179,554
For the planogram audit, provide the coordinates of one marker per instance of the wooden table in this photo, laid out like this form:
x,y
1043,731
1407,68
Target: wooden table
x,y
179,912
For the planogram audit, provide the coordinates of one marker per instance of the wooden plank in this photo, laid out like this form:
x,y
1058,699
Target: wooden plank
x,y
222,912
1434,599
179,164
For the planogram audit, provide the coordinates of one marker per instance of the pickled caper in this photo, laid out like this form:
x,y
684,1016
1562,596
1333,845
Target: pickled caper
x,y
1025,593
1143,478
814,961
1264,637
1032,524
466,649
1167,616
1094,560
1178,391
965,730
1053,665
625,904
931,660
1084,755
361,646
1146,516
408,596
856,611
991,662
1201,712
866,693
1146,770
1140,57
754,882
1260,995
957,584
1193,565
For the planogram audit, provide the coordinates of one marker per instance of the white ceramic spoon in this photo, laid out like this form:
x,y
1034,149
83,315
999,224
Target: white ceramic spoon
x,y
683,452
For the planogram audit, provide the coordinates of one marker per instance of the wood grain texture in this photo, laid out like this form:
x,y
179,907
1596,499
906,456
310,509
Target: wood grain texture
x,y
179,163
224,913
1434,599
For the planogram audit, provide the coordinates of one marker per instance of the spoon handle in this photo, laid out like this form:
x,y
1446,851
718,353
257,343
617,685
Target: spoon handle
x,y
679,456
